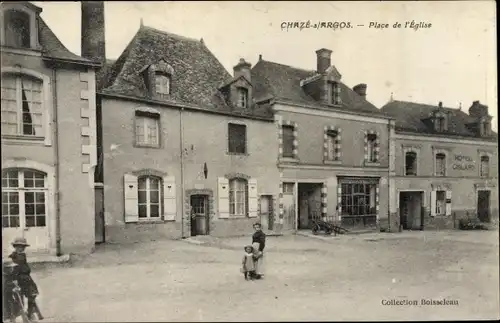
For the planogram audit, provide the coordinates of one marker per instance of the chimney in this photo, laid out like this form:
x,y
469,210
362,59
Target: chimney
x,y
323,59
93,37
440,104
360,89
478,110
242,69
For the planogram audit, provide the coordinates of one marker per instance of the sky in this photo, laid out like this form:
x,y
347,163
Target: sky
x,y
453,60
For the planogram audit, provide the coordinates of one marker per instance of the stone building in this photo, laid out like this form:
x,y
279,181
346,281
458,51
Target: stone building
x,y
48,136
183,150
333,153
446,165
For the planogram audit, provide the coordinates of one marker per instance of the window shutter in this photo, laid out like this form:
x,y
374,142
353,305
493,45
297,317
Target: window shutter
x,y
169,198
433,203
223,192
448,203
253,198
131,197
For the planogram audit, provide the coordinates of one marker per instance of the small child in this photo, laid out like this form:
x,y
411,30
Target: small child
x,y
23,275
248,263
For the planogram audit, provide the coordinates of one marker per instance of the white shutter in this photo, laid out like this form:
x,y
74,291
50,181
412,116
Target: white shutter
x,y
253,198
169,199
223,197
433,203
448,203
131,198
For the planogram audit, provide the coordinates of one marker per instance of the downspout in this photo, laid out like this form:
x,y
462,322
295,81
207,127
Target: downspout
x,y
389,177
55,131
181,130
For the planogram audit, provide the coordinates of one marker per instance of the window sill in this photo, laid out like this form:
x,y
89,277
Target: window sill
x,y
410,175
230,217
146,146
332,162
371,163
237,154
22,140
150,221
288,160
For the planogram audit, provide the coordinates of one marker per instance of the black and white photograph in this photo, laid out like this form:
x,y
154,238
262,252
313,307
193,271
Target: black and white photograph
x,y
249,161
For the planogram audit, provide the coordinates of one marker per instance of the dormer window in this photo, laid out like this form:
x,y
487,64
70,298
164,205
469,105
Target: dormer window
x,y
440,124
17,29
335,93
485,128
162,86
242,97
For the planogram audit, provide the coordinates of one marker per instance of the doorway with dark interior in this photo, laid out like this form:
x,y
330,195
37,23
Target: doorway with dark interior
x,y
483,206
411,210
199,215
309,200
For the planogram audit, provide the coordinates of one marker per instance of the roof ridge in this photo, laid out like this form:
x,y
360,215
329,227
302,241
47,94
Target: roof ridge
x,y
297,68
167,33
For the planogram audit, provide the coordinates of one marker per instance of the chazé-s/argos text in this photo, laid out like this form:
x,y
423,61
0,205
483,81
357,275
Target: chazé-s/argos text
x,y
315,25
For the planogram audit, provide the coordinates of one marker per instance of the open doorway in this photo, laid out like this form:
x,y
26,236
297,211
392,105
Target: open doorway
x,y
483,206
199,215
411,210
309,200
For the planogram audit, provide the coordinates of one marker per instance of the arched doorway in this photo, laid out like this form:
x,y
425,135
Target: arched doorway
x,y
24,208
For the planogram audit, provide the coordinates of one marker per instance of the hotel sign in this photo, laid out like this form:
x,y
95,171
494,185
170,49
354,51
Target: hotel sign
x,y
463,163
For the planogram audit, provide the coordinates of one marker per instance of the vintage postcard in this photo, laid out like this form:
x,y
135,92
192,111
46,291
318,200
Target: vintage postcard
x,y
181,161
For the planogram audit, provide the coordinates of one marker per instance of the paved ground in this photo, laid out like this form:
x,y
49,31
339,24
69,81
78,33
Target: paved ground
x,y
339,278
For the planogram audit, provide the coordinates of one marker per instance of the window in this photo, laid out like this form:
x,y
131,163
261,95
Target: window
x,y
440,164
238,197
440,202
288,139
359,199
288,188
237,136
440,123
335,93
17,29
485,128
162,85
24,196
410,163
149,197
485,166
147,130
22,109
371,145
333,145
242,97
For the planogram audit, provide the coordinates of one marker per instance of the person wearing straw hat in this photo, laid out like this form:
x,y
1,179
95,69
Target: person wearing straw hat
x,y
28,286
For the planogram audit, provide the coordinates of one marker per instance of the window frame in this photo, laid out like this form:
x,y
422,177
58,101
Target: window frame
x,y
371,141
148,202
440,153
348,194
440,204
231,143
415,163
482,172
145,115
33,26
334,89
159,75
288,152
242,97
233,200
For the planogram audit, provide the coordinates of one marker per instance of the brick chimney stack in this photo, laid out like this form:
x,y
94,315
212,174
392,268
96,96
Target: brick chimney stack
x,y
93,31
324,60
360,89
243,69
478,110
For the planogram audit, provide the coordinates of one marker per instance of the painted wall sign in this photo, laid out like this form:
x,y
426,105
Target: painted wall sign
x,y
463,162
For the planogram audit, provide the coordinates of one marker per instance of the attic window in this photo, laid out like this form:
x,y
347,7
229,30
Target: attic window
x,y
335,93
17,29
242,98
485,128
162,85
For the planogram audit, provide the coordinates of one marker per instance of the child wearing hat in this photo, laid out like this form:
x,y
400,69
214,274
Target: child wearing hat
x,y
23,274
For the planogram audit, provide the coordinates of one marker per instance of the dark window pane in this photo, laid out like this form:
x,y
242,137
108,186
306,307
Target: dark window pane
x,y
13,197
5,209
155,196
237,138
28,174
39,183
288,139
4,182
14,209
143,211
39,175
5,221
5,197
155,211
40,197
29,197
154,184
142,183
40,209
13,183
40,221
30,209
30,221
14,222
142,197
29,182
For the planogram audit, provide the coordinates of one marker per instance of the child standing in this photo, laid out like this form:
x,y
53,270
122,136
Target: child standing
x,y
248,263
23,275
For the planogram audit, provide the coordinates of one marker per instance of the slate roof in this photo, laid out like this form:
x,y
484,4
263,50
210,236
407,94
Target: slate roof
x,y
409,118
197,77
283,82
